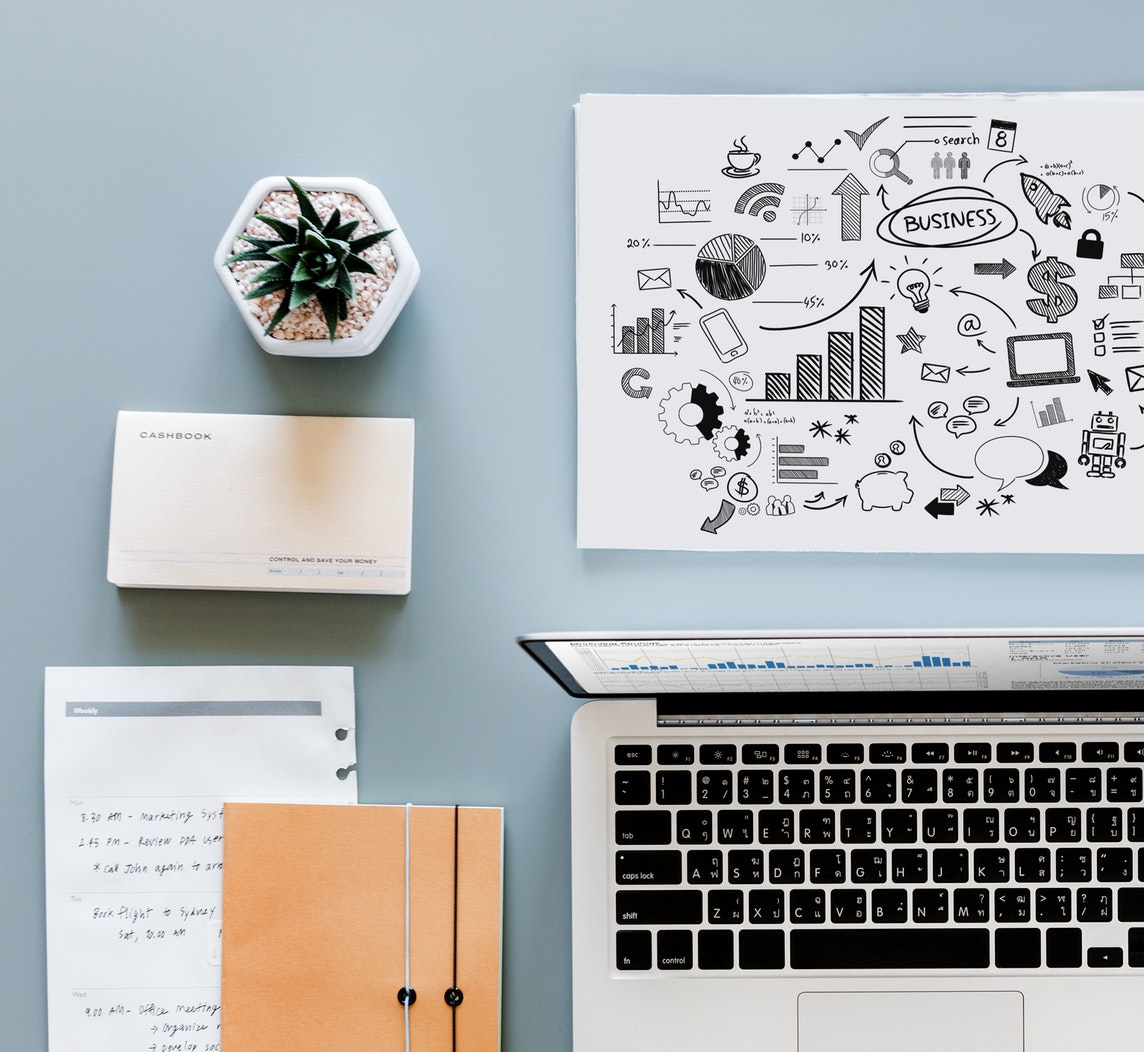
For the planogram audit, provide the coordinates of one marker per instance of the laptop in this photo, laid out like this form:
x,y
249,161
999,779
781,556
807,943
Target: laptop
x,y
855,842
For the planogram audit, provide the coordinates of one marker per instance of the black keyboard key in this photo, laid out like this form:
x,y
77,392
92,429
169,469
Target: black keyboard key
x,y
1105,957
766,907
1042,785
919,787
848,906
633,950
649,867
1017,948
633,755
868,866
896,948
878,786
971,906
909,866
889,906
765,753
857,825
796,787
672,787
786,867
716,950
718,755
756,787
704,867
1099,752
1032,865
1130,904
799,753
1057,752
808,906
950,865
1012,905
959,786
1053,905
836,786
1082,785
982,825
1002,785
776,827
991,865
714,787
745,867
1074,865
1063,948
888,752
940,825
672,755
899,825
646,907
1122,784
692,827
816,826
973,752
1114,865
845,752
643,827
633,787
929,752
735,827
1022,825
673,950
724,906
1062,825
1134,752
1136,947
1015,752
1105,825
762,950
827,866
1094,905
931,906
1136,824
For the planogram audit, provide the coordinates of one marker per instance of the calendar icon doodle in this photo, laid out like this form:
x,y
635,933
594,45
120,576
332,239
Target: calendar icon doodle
x,y
1002,136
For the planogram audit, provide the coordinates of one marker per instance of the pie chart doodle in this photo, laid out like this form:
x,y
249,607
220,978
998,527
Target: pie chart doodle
x,y
730,266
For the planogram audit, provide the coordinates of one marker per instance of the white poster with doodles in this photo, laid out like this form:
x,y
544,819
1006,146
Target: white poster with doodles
x,y
861,323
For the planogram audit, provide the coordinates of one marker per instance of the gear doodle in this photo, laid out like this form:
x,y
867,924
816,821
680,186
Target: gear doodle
x,y
690,412
731,443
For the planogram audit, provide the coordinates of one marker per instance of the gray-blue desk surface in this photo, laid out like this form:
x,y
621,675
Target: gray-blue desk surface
x,y
129,131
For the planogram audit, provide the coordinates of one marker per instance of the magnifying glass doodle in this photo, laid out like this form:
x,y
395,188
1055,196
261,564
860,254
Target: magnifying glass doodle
x,y
884,163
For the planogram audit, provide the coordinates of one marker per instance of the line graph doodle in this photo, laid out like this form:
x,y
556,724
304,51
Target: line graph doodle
x,y
682,206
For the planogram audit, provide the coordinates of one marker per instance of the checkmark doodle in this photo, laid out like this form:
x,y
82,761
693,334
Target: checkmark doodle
x,y
861,137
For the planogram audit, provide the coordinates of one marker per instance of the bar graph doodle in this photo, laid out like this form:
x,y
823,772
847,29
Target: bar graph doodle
x,y
813,342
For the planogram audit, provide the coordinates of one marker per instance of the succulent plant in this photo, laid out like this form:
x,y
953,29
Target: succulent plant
x,y
309,259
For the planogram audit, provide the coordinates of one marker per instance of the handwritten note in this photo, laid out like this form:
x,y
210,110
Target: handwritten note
x,y
137,764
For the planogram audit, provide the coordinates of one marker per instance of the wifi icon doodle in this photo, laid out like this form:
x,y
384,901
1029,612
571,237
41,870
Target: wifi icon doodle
x,y
762,197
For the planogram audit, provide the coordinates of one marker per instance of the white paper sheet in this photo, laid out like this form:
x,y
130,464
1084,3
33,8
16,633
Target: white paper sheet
x,y
861,323
137,764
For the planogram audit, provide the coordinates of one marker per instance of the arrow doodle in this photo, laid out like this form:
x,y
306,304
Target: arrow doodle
x,y
1004,268
726,512
915,423
869,273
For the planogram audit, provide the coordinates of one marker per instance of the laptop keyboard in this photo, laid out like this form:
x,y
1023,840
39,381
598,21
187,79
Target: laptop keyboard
x,y
966,853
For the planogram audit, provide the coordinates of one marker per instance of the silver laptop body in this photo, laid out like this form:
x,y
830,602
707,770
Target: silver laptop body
x,y
779,844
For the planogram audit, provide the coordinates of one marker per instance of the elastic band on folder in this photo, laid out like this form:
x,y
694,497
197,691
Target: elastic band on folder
x,y
454,995
407,995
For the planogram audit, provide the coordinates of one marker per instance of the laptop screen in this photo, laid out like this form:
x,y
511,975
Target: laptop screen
x,y
738,667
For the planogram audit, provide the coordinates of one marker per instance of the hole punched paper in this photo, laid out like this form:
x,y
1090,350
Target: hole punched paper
x,y
262,503
137,765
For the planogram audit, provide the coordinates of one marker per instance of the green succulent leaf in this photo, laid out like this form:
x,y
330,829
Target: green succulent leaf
x,y
282,227
279,315
359,265
305,204
369,240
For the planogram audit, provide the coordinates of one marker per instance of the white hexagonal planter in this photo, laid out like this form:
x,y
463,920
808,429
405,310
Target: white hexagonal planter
x,y
377,301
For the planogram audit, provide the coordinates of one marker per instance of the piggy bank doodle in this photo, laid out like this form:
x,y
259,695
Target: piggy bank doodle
x,y
884,489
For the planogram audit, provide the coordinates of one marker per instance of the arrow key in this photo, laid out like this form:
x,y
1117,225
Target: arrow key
x,y
1105,957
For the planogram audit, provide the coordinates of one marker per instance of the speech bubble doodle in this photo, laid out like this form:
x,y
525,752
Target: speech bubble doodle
x,y
1008,458
1055,469
695,474
709,484
960,425
741,381
937,410
718,472
976,404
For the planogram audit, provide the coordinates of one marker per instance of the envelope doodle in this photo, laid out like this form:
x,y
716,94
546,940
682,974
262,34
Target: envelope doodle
x,y
835,293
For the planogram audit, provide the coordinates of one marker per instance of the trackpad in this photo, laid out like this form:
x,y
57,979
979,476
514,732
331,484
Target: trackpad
x,y
905,1022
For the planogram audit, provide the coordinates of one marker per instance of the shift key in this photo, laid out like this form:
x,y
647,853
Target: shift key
x,y
682,906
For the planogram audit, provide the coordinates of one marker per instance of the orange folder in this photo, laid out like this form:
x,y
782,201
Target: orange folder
x,y
328,908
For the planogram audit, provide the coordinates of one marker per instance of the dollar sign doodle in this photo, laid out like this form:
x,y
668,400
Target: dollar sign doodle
x,y
1059,299
742,488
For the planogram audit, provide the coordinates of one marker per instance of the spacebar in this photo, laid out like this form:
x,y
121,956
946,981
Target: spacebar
x,y
890,948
